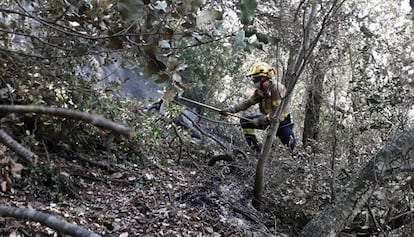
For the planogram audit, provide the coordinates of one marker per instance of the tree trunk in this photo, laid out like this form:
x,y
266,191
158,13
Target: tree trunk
x,y
297,61
295,68
261,164
313,106
335,217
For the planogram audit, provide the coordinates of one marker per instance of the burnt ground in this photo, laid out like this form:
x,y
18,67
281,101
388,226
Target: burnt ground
x,y
167,197
168,188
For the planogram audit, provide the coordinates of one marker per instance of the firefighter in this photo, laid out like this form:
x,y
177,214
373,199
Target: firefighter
x,y
268,95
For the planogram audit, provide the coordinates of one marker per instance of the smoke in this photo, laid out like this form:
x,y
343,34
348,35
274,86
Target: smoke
x,y
134,83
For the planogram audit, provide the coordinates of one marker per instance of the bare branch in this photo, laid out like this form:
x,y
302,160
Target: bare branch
x,y
49,220
94,119
76,54
308,45
37,38
17,147
6,51
207,41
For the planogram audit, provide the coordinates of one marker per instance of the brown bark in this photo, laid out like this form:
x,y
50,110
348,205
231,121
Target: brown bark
x,y
263,157
313,106
335,217
17,147
58,224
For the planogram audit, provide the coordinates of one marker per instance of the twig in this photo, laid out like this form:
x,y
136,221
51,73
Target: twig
x,y
106,167
374,220
181,142
202,132
401,215
105,180
49,220
166,171
246,213
17,147
46,151
94,119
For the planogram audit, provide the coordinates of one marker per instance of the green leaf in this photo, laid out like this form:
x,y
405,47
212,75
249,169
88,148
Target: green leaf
x,y
167,33
195,4
262,38
376,126
82,48
169,94
154,66
248,7
172,63
248,48
240,36
254,44
130,9
115,43
187,25
250,31
257,45
151,50
162,77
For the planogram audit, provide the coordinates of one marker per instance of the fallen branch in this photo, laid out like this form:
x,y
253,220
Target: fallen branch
x,y
17,147
60,225
94,119
103,166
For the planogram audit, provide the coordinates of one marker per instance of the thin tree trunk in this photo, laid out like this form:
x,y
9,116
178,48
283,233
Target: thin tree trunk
x,y
313,106
295,68
296,64
337,216
334,146
261,164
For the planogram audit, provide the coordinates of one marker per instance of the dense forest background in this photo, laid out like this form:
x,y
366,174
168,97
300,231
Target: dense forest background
x,y
82,155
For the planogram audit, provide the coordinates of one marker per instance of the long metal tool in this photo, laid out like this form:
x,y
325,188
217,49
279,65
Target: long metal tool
x,y
213,108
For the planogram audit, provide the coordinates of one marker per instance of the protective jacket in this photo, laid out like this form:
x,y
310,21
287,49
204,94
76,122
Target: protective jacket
x,y
268,100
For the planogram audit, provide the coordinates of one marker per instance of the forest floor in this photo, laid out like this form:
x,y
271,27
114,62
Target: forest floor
x,y
168,196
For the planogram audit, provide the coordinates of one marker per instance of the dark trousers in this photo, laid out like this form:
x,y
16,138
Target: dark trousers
x,y
284,133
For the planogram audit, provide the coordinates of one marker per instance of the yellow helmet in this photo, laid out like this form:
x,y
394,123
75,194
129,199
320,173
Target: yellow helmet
x,y
261,70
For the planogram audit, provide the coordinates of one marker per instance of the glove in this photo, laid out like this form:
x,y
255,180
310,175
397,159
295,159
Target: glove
x,y
256,122
226,111
261,121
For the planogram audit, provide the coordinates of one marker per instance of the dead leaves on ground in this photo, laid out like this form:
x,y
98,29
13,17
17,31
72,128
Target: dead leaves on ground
x,y
9,170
